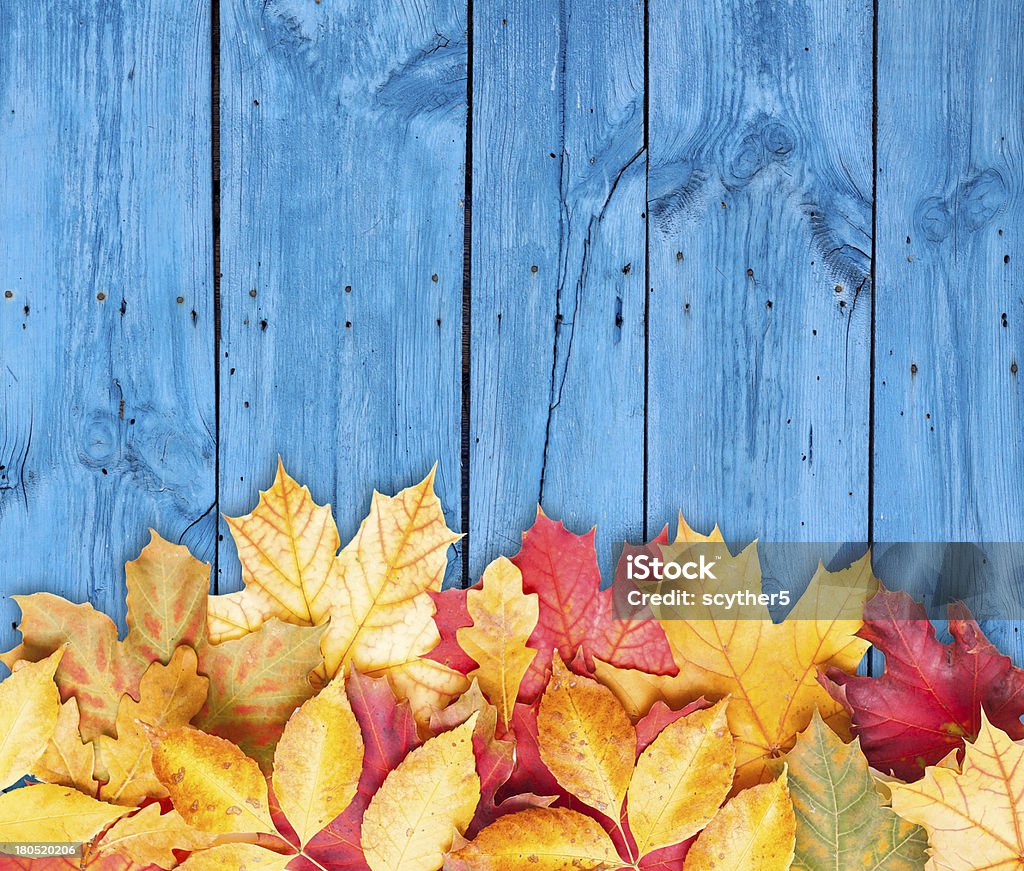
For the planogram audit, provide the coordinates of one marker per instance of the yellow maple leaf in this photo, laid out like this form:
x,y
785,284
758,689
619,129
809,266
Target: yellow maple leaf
x,y
503,619
212,784
770,670
586,740
169,696
287,546
148,837
29,708
541,839
318,761
972,813
373,594
67,759
681,779
411,821
757,829
53,813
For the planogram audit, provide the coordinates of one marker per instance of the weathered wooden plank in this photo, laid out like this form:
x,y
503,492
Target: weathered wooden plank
x,y
343,142
949,448
760,223
558,266
106,304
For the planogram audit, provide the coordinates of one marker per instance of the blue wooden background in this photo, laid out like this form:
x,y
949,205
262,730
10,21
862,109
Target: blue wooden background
x,y
758,261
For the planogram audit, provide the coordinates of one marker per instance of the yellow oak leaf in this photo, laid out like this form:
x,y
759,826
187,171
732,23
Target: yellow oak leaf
x,y
67,759
236,857
148,837
169,696
541,839
503,619
287,546
770,670
29,708
681,779
411,821
53,813
586,739
972,813
756,829
318,761
212,784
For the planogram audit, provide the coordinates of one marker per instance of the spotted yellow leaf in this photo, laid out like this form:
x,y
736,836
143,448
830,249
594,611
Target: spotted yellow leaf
x,y
681,779
411,821
586,739
756,829
212,784
318,761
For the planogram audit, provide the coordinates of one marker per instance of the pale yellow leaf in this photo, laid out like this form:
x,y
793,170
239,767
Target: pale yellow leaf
x,y
148,837
586,739
53,813
318,761
681,779
757,829
503,619
287,547
974,815
541,839
212,784
29,707
169,696
236,857
432,794
382,615
426,685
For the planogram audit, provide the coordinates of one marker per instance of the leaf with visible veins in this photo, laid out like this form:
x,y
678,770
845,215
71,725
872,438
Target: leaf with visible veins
x,y
930,696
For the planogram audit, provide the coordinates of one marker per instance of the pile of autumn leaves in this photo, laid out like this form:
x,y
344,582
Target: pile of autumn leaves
x,y
341,712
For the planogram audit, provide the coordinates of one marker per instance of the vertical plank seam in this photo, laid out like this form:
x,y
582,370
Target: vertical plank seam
x,y
647,262
564,230
467,300
215,224
874,234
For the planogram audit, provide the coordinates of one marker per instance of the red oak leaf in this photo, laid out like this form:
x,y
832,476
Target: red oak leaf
x,y
575,614
451,615
930,696
389,733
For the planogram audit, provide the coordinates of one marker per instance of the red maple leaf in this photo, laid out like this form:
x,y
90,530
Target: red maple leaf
x,y
930,696
575,614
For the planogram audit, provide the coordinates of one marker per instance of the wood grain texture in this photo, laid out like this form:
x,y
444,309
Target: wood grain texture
x,y
760,223
949,448
107,378
558,263
343,142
